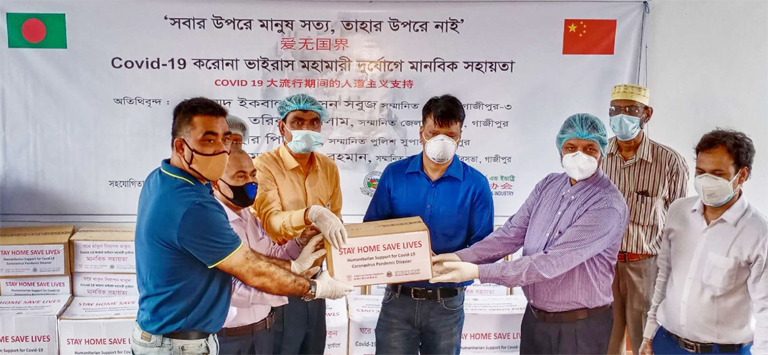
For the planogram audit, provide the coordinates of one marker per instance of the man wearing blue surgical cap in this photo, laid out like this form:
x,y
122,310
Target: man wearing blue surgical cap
x,y
570,228
299,188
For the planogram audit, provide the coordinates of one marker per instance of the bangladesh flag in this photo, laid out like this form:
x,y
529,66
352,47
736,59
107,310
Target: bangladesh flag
x,y
28,30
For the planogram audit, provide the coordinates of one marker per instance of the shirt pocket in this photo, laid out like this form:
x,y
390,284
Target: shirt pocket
x,y
719,272
645,209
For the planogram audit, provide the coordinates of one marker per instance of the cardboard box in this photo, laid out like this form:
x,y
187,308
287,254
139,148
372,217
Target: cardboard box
x,y
36,286
35,251
492,324
98,325
104,285
391,251
104,249
336,327
363,315
28,324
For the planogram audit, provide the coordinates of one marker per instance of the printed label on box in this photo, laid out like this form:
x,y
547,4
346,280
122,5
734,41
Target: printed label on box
x,y
104,285
393,258
29,260
487,289
492,324
28,324
35,286
101,307
336,327
103,336
363,315
97,256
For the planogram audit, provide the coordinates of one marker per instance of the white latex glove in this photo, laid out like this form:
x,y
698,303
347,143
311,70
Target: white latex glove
x,y
646,348
445,257
329,224
308,255
328,287
453,271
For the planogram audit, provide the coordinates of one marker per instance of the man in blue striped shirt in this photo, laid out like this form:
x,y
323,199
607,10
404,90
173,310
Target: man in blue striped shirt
x,y
455,202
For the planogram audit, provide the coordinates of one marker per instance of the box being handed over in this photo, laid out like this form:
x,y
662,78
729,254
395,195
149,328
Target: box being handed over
x,y
391,251
35,251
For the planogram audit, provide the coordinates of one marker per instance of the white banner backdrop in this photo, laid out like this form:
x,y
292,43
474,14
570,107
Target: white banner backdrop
x,y
83,126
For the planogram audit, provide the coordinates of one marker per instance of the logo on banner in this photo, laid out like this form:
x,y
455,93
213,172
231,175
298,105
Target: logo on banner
x,y
595,37
370,183
31,30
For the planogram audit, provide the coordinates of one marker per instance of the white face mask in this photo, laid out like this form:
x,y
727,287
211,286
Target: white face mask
x,y
713,190
440,149
579,166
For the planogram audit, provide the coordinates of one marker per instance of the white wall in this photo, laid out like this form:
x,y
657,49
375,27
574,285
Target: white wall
x,y
707,68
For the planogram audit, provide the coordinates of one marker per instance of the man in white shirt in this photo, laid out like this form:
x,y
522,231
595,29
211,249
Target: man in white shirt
x,y
247,329
712,266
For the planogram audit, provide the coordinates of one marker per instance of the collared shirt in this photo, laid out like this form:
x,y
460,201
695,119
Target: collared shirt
x,y
650,181
250,305
285,191
182,233
457,208
570,237
712,278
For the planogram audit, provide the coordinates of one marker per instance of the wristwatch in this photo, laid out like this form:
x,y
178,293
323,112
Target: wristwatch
x,y
312,293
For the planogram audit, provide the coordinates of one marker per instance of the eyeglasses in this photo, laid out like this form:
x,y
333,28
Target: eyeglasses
x,y
630,110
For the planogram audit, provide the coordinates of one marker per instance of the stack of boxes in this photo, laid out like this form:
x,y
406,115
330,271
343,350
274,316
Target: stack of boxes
x,y
104,263
35,287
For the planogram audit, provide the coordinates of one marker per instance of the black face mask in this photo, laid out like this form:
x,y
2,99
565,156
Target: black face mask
x,y
243,195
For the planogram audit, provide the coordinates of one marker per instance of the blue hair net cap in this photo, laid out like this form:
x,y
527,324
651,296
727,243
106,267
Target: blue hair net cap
x,y
301,102
583,126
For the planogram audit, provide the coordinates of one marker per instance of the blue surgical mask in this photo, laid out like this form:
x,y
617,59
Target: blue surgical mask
x,y
304,142
625,127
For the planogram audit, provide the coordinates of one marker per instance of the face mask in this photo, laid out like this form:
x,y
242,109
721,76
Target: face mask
x,y
625,127
243,195
714,191
579,166
209,166
440,149
304,142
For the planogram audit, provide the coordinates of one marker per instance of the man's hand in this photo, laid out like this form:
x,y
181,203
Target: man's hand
x,y
328,287
453,271
445,257
306,235
308,255
330,225
646,348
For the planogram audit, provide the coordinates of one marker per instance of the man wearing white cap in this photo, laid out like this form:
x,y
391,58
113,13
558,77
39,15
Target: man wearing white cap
x,y
650,176
239,129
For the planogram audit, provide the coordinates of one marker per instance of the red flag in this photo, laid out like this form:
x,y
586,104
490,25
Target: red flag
x,y
589,36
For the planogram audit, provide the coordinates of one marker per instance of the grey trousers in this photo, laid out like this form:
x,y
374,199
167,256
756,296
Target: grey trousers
x,y
633,290
586,336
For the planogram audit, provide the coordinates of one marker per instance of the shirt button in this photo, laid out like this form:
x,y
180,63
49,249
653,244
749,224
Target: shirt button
x,y
572,197
559,213
429,206
547,234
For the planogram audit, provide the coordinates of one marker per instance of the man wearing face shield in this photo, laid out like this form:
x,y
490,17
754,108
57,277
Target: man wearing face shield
x,y
650,176
570,229
248,328
712,279
186,249
455,202
299,188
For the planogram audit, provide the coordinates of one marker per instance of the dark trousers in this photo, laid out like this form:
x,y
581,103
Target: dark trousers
x,y
586,336
299,327
258,343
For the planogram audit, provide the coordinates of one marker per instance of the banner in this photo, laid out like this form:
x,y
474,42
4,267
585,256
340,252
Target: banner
x,y
87,88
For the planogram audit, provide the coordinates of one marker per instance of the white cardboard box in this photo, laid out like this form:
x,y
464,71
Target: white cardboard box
x,y
34,251
492,324
104,285
28,324
98,325
36,286
390,251
336,324
99,249
363,315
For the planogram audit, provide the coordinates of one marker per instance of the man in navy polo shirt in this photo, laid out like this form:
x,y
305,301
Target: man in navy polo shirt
x,y
455,202
186,249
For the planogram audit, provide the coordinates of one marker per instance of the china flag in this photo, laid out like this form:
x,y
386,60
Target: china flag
x,y
589,36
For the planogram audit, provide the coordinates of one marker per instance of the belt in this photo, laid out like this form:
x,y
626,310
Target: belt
x,y
187,335
568,316
422,294
629,257
705,348
249,329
